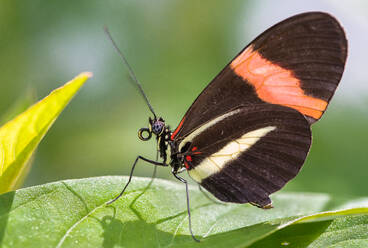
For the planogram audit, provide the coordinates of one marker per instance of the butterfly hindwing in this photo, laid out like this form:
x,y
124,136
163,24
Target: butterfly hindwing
x,y
297,63
248,153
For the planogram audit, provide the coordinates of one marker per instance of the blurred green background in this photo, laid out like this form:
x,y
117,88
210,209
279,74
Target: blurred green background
x,y
175,47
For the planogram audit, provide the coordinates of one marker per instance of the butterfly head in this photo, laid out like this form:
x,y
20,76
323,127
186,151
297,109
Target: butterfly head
x,y
156,126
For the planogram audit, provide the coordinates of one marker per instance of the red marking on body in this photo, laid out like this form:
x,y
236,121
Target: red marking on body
x,y
196,152
194,148
186,165
177,129
188,158
275,84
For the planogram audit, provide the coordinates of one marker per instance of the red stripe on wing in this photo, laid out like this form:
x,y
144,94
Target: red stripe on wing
x,y
275,84
177,129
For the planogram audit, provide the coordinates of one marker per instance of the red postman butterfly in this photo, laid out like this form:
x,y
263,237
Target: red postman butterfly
x,y
248,133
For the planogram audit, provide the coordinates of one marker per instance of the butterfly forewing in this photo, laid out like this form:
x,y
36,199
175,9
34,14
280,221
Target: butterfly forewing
x,y
297,63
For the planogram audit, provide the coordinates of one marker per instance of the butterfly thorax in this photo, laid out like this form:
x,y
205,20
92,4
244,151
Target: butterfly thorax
x,y
176,158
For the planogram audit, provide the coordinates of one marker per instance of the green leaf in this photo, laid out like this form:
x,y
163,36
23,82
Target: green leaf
x,y
74,213
343,231
19,137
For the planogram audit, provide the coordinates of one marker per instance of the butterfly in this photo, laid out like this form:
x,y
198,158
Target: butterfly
x,y
249,132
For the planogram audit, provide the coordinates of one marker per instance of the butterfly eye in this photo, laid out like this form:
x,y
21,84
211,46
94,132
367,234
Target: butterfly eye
x,y
144,134
158,127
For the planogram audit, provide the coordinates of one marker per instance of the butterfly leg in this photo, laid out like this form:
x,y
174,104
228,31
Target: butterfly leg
x,y
153,174
188,205
154,169
131,174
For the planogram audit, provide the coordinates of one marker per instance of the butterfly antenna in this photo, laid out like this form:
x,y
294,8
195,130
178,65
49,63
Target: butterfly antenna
x,y
131,73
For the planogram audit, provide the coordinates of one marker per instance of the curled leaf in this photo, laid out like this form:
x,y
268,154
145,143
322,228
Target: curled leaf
x,y
20,136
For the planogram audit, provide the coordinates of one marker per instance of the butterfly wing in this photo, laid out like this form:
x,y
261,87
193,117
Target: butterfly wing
x,y
248,132
248,153
297,63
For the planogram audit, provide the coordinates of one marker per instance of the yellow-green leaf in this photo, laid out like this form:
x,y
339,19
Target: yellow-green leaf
x,y
20,136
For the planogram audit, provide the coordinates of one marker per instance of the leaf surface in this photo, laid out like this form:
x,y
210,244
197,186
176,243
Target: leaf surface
x,y
74,213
